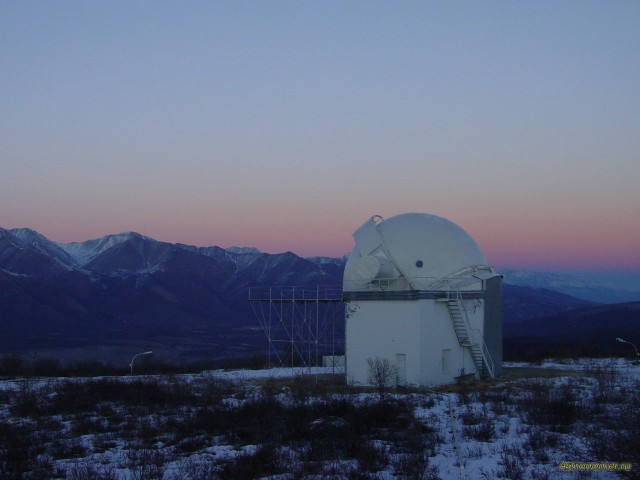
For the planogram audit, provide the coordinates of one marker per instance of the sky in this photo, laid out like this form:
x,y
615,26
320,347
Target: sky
x,y
284,125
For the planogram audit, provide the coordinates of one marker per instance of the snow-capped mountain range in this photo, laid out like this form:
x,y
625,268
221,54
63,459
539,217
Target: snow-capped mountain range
x,y
584,287
126,287
131,253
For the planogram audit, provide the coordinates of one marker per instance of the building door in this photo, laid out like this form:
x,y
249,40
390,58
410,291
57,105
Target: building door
x,y
401,369
446,360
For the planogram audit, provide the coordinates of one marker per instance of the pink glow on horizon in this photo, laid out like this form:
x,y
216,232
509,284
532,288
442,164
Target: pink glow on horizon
x,y
538,246
214,124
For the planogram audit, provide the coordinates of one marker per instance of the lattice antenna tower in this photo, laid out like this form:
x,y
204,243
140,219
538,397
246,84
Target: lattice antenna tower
x,y
304,325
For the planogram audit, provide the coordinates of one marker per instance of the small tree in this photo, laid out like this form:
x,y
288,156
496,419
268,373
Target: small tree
x,y
381,374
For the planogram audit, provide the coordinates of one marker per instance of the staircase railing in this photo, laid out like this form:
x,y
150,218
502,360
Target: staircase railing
x,y
475,338
488,361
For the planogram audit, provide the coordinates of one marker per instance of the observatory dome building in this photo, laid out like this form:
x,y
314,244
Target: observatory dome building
x,y
420,294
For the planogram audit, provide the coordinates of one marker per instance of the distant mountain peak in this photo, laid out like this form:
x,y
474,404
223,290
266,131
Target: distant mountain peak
x,y
85,252
130,234
42,244
28,235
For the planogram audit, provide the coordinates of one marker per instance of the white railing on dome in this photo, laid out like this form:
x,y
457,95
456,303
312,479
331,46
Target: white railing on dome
x,y
450,283
441,284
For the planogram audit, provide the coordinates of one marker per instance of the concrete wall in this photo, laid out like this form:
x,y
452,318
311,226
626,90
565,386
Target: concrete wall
x,y
442,357
419,331
493,321
381,328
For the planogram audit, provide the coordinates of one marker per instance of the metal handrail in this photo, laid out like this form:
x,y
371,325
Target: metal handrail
x,y
456,280
474,337
296,293
486,356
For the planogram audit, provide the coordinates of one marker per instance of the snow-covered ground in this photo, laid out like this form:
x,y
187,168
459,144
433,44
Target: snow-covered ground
x,y
578,364
464,456
238,424
271,373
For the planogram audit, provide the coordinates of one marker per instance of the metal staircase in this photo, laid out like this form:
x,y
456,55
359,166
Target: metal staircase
x,y
479,352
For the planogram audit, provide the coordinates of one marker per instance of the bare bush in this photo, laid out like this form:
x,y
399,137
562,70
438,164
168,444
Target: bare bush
x,y
613,434
90,471
555,407
543,473
144,464
212,391
477,424
15,450
191,469
370,457
25,399
261,463
381,373
512,461
538,441
66,448
43,467
301,388
431,436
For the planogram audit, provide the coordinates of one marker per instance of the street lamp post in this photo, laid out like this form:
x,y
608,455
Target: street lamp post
x,y
637,360
137,355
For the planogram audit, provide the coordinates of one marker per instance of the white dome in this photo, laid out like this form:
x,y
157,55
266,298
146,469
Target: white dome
x,y
414,245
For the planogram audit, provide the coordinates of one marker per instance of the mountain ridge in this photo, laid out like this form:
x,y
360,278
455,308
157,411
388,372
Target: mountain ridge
x,y
116,294
580,287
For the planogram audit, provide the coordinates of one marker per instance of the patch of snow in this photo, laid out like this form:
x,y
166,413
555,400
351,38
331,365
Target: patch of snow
x,y
84,252
456,454
14,274
269,373
328,260
243,250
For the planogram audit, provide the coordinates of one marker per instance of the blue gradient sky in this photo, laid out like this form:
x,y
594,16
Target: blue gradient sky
x,y
285,125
